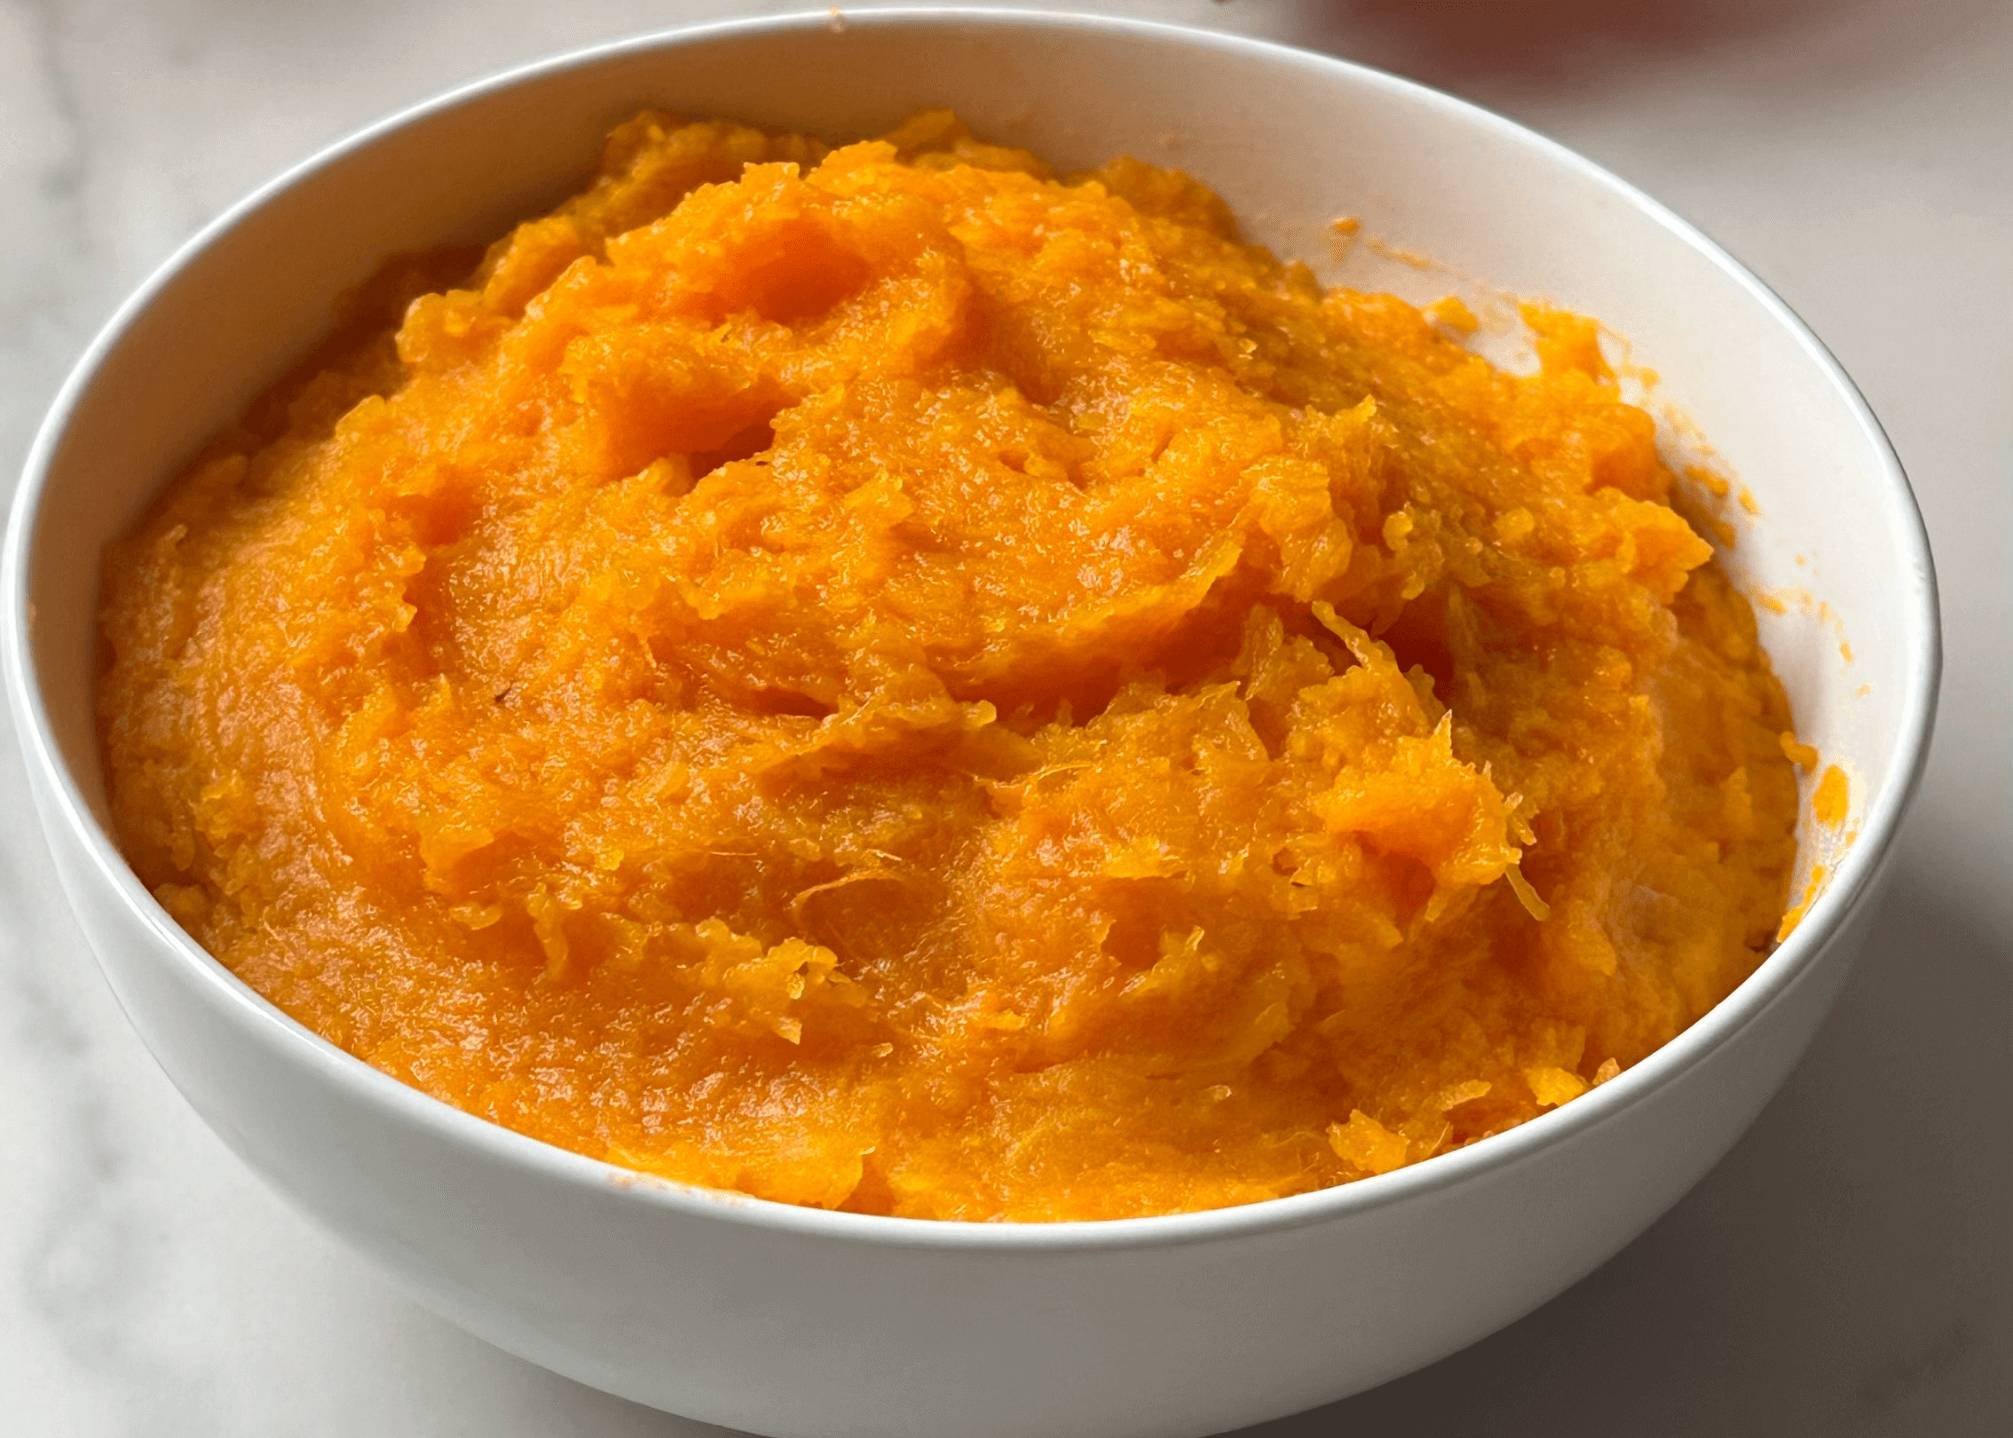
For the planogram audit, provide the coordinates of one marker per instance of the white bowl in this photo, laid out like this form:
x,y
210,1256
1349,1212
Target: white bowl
x,y
796,1321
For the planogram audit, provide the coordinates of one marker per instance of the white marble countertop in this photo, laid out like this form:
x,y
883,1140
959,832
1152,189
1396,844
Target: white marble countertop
x,y
1847,1270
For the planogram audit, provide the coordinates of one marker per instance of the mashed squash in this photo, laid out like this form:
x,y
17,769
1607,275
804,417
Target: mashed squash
x,y
883,679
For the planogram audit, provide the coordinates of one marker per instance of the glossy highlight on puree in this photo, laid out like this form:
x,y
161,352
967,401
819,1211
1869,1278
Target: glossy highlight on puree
x,y
882,680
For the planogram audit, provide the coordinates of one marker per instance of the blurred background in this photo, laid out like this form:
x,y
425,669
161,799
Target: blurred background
x,y
1847,1270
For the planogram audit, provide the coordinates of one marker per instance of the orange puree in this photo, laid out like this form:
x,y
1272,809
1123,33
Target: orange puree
x,y
880,678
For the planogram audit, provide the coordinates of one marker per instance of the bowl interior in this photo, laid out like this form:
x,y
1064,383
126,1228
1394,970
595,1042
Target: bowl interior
x,y
1291,141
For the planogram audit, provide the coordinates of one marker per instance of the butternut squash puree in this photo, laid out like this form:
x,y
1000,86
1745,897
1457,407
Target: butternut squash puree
x,y
879,678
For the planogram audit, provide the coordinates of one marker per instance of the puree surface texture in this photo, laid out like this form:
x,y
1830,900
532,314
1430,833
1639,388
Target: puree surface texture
x,y
879,678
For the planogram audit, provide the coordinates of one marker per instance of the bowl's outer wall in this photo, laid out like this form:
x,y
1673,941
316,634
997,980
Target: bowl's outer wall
x,y
787,1327
802,1336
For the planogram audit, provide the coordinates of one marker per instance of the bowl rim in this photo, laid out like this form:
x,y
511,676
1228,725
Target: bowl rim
x,y
1852,881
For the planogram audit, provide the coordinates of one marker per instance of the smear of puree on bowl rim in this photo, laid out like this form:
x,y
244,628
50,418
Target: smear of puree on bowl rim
x,y
880,678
